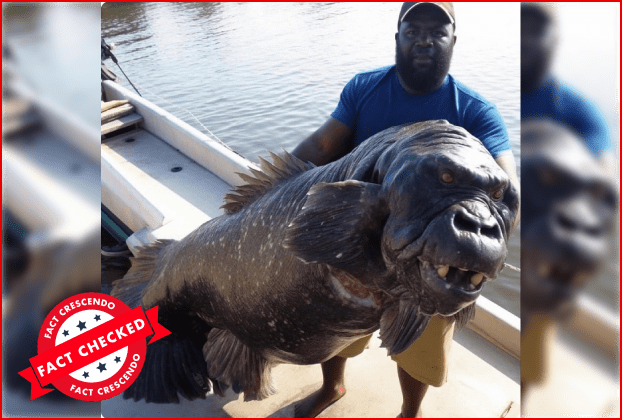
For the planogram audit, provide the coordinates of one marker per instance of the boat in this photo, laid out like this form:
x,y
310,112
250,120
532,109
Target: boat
x,y
162,178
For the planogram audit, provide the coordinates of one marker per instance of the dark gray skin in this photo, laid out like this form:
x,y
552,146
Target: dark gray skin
x,y
263,277
567,218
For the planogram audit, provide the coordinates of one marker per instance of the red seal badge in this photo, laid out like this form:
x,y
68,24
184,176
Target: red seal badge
x,y
92,347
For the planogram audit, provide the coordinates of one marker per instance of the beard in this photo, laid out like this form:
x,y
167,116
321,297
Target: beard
x,y
427,79
535,64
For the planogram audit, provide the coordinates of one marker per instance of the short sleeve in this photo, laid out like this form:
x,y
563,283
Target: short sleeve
x,y
488,126
346,108
585,118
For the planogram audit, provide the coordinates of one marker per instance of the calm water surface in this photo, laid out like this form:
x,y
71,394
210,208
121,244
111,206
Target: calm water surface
x,y
263,76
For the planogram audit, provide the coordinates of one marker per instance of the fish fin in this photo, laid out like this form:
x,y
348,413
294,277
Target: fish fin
x,y
463,316
341,225
401,325
131,287
171,365
283,166
234,364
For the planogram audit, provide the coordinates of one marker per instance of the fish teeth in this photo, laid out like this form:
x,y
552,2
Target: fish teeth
x,y
476,279
442,270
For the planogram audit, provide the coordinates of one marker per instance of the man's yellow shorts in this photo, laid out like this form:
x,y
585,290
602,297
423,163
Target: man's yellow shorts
x,y
535,348
427,359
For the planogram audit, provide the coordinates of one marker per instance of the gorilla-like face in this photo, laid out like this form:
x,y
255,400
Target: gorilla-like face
x,y
451,208
567,213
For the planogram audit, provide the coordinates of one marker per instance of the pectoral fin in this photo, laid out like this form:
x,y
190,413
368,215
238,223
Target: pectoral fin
x,y
401,325
341,225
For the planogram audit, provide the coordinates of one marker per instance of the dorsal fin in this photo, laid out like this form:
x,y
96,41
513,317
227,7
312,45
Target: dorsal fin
x,y
284,165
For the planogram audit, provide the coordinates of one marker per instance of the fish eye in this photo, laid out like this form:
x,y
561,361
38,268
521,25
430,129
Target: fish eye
x,y
447,177
497,194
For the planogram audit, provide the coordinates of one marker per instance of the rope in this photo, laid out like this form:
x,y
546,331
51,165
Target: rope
x,y
511,267
126,78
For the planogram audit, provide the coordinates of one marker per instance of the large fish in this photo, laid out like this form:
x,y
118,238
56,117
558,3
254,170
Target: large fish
x,y
307,260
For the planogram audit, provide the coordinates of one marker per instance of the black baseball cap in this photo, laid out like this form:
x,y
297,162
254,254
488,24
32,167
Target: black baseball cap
x,y
447,8
548,11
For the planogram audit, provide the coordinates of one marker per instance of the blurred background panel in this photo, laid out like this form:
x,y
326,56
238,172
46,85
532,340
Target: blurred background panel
x,y
51,182
570,209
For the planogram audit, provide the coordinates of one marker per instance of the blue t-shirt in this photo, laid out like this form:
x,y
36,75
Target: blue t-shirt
x,y
374,101
559,102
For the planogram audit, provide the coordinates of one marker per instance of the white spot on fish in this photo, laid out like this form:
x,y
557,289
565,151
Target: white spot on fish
x,y
271,323
339,255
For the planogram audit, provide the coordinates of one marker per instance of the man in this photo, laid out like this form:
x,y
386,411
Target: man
x,y
543,96
417,88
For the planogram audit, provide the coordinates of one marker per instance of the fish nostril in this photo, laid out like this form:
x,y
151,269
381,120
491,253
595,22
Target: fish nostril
x,y
566,223
492,232
464,223
572,225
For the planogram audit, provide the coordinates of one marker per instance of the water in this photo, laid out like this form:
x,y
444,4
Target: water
x,y
263,76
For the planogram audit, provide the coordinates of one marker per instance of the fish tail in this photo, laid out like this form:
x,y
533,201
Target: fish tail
x,y
172,366
231,363
131,287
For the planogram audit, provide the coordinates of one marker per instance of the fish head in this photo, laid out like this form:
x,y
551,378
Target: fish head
x,y
450,211
568,213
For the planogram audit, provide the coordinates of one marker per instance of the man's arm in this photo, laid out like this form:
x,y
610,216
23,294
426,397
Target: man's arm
x,y
331,141
506,162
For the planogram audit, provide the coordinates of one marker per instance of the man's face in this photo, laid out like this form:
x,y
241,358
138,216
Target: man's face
x,y
538,42
424,46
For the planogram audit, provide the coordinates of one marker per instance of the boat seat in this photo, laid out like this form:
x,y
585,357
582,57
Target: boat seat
x,y
117,115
